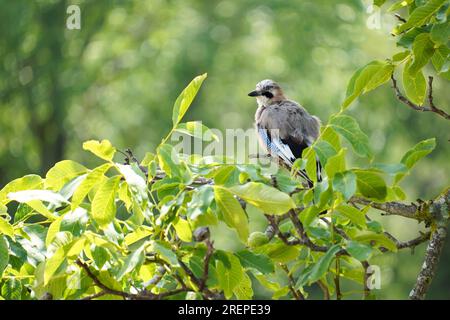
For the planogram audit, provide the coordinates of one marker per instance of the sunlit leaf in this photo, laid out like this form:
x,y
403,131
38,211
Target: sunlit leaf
x,y
378,238
4,254
12,289
186,97
198,130
103,149
421,15
229,276
6,228
27,182
263,197
62,172
88,183
366,79
233,214
103,205
353,214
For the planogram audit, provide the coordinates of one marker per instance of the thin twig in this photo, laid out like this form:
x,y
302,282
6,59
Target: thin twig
x,y
94,296
323,287
296,293
209,252
412,105
399,17
102,286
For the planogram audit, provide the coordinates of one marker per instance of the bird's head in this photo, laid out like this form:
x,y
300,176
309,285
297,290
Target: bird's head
x,y
267,92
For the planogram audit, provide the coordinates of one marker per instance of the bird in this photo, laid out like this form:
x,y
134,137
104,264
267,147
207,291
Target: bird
x,y
284,128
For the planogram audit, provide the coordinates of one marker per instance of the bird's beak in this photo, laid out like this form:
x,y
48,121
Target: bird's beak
x,y
255,93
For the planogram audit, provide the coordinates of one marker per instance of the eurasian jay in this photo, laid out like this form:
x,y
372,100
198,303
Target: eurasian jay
x,y
284,127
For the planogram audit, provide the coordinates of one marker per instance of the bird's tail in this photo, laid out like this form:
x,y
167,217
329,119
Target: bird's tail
x,y
302,173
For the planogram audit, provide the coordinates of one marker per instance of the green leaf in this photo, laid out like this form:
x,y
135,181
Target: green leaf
x,y
135,180
163,249
103,204
423,49
419,151
366,79
308,215
4,254
61,173
345,183
415,85
183,229
200,202
324,151
416,153
370,184
347,127
169,161
53,263
379,3
132,262
401,56
233,214
407,39
359,251
440,33
100,255
185,99
378,238
256,261
279,252
197,129
335,164
244,291
229,276
309,155
6,228
39,207
441,58
263,197
329,135
52,230
399,4
322,265
88,183
390,169
26,196
420,15
103,149
353,214
31,181
12,289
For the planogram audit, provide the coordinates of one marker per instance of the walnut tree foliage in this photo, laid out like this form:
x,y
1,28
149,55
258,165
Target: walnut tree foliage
x,y
139,229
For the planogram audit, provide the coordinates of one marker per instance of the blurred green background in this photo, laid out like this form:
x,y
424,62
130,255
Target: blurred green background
x,y
118,76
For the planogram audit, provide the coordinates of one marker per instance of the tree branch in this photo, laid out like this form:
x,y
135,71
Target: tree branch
x,y
131,296
429,266
412,105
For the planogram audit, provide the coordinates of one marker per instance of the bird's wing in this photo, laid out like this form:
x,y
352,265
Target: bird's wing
x,y
275,146
291,128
